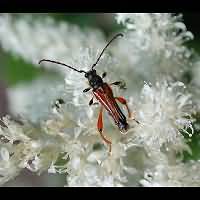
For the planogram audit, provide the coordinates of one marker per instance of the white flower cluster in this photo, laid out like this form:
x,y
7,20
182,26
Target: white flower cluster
x,y
153,45
164,111
179,175
56,131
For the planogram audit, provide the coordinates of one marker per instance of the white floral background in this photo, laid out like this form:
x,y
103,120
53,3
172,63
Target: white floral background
x,y
41,143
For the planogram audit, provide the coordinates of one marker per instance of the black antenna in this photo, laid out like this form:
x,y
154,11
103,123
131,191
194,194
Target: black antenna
x,y
56,62
119,34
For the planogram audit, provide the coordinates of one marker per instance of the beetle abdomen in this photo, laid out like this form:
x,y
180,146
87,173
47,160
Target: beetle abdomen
x,y
105,96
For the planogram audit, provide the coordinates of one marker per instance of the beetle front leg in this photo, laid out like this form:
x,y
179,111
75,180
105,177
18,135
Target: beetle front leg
x,y
87,89
124,102
100,129
104,75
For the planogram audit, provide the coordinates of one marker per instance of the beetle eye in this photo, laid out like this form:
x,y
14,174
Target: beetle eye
x,y
86,75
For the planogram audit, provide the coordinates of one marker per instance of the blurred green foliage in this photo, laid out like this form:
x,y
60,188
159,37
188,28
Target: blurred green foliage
x,y
89,20
17,71
194,141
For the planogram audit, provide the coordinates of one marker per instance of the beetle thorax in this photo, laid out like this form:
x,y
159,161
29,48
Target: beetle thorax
x,y
95,80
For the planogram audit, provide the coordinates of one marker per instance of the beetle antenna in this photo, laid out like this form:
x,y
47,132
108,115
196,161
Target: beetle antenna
x,y
56,62
119,34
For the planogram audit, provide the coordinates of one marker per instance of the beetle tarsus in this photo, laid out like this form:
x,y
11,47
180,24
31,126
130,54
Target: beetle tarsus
x,y
136,121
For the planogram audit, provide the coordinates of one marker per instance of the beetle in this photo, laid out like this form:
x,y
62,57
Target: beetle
x,y
102,91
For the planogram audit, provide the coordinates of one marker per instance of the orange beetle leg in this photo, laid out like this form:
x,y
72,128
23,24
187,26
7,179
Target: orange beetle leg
x,y
100,129
123,101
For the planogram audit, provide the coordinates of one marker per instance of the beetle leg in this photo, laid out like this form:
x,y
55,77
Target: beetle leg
x,y
116,83
91,101
124,102
100,129
104,75
121,84
86,90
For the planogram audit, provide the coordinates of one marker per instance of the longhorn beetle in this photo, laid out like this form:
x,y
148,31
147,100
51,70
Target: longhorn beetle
x,y
103,93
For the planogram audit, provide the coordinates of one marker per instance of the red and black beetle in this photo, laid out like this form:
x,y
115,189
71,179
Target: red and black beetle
x,y
103,93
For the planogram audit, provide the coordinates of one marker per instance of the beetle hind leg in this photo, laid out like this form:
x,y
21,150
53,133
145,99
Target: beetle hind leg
x,y
100,129
124,102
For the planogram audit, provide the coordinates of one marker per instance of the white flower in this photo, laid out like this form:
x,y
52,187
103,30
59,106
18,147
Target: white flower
x,y
28,100
96,168
135,21
4,154
164,113
179,175
153,45
26,146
